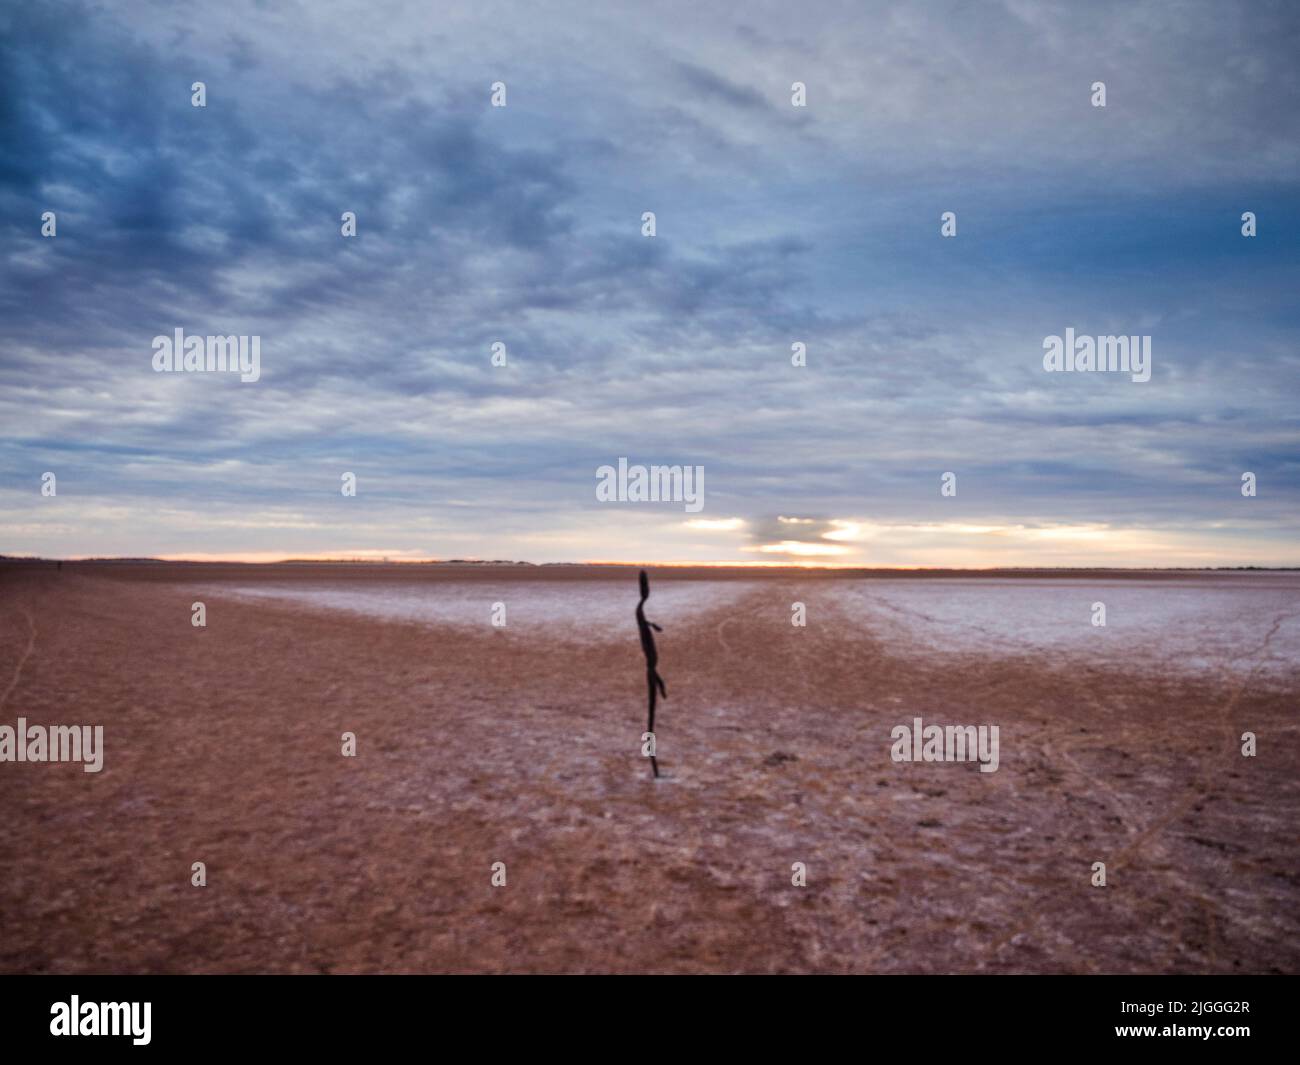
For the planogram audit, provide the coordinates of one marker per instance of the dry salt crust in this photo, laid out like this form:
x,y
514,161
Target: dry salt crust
x,y
1207,625
478,745
587,611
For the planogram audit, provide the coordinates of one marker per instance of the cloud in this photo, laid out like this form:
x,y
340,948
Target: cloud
x,y
522,225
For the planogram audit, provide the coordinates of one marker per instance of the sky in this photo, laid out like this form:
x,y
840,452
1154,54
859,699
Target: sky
x,y
775,225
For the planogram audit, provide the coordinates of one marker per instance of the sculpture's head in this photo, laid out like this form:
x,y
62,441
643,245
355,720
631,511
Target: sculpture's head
x,y
645,585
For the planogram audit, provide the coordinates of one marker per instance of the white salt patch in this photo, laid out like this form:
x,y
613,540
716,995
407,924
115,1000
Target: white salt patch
x,y
592,610
1206,625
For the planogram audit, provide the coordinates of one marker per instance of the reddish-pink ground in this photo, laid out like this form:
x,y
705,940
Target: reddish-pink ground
x,y
520,745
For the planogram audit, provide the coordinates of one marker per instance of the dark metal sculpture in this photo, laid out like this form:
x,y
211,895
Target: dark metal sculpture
x,y
654,682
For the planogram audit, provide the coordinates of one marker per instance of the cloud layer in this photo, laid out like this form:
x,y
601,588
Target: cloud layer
x,y
775,225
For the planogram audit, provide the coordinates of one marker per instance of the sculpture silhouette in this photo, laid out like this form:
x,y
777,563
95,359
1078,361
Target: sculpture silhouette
x,y
654,682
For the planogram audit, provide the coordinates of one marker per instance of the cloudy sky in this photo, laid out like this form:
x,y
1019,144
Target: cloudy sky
x,y
774,225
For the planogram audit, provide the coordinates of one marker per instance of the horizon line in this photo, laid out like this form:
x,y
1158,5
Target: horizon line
x,y
711,564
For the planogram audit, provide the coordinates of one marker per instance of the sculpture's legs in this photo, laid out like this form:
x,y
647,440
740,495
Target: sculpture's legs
x,y
650,682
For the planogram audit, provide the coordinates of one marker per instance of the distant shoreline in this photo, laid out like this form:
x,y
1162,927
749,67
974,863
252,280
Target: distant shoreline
x,y
595,570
